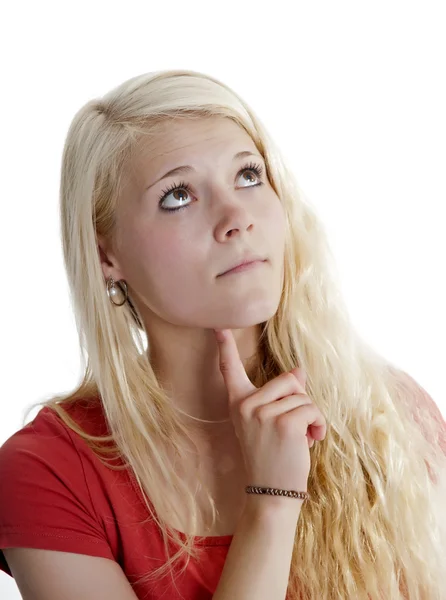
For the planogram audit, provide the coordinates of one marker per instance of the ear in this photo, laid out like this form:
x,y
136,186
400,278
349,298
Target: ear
x,y
109,263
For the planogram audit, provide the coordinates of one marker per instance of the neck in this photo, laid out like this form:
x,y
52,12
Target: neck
x,y
187,366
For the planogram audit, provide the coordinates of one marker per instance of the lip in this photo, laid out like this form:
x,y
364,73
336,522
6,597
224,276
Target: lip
x,y
243,266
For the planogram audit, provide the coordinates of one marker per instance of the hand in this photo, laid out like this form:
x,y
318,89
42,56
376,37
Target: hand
x,y
275,424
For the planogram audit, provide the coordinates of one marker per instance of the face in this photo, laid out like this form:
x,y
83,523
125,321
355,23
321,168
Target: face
x,y
177,234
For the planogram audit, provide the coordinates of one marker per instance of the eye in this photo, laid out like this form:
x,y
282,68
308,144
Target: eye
x,y
182,190
255,168
179,192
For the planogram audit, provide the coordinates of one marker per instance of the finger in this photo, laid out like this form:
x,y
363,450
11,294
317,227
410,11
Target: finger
x,y
274,390
309,419
318,426
318,430
270,410
234,374
301,376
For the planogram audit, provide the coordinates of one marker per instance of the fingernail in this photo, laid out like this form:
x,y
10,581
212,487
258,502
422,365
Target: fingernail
x,y
219,335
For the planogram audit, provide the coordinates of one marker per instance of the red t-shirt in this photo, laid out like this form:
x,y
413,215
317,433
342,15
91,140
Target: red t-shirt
x,y
57,495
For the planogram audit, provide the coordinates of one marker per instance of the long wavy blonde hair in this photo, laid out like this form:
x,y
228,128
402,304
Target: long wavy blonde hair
x,y
373,527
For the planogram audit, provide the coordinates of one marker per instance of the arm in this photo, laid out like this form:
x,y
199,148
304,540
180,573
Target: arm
x,y
274,448
51,536
53,575
258,563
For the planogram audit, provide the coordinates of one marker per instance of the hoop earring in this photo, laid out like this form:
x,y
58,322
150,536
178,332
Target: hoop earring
x,y
112,291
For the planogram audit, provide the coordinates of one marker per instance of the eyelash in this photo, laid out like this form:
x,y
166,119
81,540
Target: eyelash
x,y
254,167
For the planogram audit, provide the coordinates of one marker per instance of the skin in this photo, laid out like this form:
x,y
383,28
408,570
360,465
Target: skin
x,y
170,263
170,260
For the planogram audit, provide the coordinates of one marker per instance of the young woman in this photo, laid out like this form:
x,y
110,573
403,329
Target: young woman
x,y
232,435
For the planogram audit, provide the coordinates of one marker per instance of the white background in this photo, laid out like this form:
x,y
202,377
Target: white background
x,y
354,94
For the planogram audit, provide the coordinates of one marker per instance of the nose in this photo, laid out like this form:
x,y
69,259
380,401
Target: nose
x,y
233,219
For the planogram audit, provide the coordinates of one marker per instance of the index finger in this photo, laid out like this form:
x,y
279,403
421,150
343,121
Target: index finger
x,y
234,374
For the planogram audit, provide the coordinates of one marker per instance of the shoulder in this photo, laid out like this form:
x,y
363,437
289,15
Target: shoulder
x,y
420,406
41,458
42,438
47,502
48,437
48,459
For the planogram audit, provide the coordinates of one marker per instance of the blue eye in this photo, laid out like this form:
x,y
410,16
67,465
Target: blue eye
x,y
182,189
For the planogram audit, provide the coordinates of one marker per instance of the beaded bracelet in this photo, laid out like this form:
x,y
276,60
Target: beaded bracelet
x,y
251,489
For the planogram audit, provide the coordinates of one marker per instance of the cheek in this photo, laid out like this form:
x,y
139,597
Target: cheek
x,y
168,259
275,222
172,278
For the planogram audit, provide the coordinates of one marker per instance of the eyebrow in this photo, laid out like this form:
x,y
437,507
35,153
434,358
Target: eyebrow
x,y
188,168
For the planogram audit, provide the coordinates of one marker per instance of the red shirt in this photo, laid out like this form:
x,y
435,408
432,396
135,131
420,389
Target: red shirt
x,y
57,495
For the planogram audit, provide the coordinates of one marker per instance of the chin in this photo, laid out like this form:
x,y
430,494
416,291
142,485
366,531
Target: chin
x,y
246,316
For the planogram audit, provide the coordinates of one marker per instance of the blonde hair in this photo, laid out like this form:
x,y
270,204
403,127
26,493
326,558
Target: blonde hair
x,y
372,527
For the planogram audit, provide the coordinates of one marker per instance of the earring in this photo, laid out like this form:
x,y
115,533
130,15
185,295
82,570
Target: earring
x,y
112,291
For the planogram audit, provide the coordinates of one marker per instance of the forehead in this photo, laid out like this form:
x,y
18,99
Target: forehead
x,y
193,139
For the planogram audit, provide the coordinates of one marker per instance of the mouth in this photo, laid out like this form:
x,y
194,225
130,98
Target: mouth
x,y
244,266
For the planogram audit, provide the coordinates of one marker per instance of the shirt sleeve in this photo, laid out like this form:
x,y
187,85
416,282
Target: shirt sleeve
x,y
44,497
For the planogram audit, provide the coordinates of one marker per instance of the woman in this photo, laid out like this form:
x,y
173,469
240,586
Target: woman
x,y
202,380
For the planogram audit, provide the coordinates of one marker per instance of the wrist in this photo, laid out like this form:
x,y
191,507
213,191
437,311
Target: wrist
x,y
265,506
